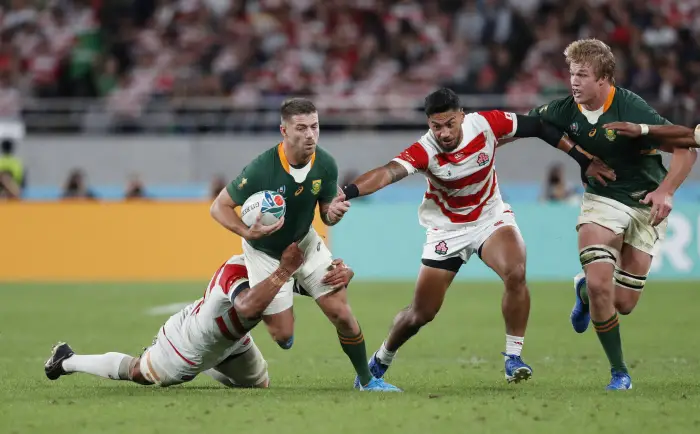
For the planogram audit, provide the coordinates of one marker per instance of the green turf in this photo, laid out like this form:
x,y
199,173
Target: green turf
x,y
452,371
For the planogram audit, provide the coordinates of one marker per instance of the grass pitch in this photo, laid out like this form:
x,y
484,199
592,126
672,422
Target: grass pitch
x,y
451,371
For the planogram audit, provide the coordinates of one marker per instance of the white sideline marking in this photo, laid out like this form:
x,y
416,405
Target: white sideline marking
x,y
171,308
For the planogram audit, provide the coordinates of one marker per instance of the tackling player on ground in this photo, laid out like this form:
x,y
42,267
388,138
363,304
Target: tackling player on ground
x,y
464,215
209,336
306,175
621,223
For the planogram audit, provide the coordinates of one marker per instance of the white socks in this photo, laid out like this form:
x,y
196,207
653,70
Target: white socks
x,y
514,345
111,365
385,356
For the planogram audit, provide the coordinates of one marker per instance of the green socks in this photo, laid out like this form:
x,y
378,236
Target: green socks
x,y
609,335
354,347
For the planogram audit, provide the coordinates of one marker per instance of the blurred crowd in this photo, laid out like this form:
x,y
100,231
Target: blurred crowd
x,y
141,53
14,180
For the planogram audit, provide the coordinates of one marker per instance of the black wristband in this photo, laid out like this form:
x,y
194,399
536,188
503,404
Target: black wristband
x,y
582,159
351,191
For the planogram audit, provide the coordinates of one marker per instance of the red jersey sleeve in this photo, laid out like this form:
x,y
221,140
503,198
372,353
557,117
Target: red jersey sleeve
x,y
414,158
503,124
231,276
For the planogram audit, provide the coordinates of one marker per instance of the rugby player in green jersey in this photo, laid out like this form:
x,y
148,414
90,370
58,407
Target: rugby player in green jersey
x,y
306,175
621,223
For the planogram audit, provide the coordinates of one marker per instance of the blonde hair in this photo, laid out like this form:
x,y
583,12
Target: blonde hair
x,y
595,54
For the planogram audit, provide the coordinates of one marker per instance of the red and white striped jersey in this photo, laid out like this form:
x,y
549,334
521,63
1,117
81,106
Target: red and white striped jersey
x,y
209,330
462,185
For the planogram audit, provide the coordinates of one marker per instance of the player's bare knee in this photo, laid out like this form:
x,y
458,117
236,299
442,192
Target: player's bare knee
x,y
599,287
624,307
342,318
599,261
284,338
514,278
598,284
422,316
281,332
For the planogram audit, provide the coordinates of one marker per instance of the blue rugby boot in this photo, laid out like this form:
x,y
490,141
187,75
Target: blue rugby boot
x,y
619,381
580,314
516,369
377,385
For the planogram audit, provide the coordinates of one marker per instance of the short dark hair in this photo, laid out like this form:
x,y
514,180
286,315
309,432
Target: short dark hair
x,y
296,106
440,101
8,146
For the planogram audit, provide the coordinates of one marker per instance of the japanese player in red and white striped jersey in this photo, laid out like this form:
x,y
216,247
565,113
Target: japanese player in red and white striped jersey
x,y
463,214
211,335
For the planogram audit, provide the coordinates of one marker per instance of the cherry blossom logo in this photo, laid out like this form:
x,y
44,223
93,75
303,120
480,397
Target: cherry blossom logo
x,y
441,248
483,159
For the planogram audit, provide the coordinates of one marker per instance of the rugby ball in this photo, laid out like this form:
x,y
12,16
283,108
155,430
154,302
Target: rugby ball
x,y
270,204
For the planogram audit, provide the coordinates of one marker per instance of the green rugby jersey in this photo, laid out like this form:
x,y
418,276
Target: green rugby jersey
x,y
271,171
637,162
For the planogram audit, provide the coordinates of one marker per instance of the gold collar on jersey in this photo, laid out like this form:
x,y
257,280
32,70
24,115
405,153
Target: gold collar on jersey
x,y
283,158
608,101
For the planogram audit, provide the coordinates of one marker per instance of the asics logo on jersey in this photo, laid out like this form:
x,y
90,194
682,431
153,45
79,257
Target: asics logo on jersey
x,y
592,132
299,190
482,159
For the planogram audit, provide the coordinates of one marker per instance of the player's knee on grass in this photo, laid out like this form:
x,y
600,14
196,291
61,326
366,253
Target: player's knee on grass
x,y
246,370
136,375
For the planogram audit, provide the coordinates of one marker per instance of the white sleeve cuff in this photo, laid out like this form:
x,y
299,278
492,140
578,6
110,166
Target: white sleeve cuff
x,y
515,125
409,167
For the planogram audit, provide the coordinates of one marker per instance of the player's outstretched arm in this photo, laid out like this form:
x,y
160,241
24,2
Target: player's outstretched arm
x,y
223,210
591,166
332,212
375,180
251,303
676,136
